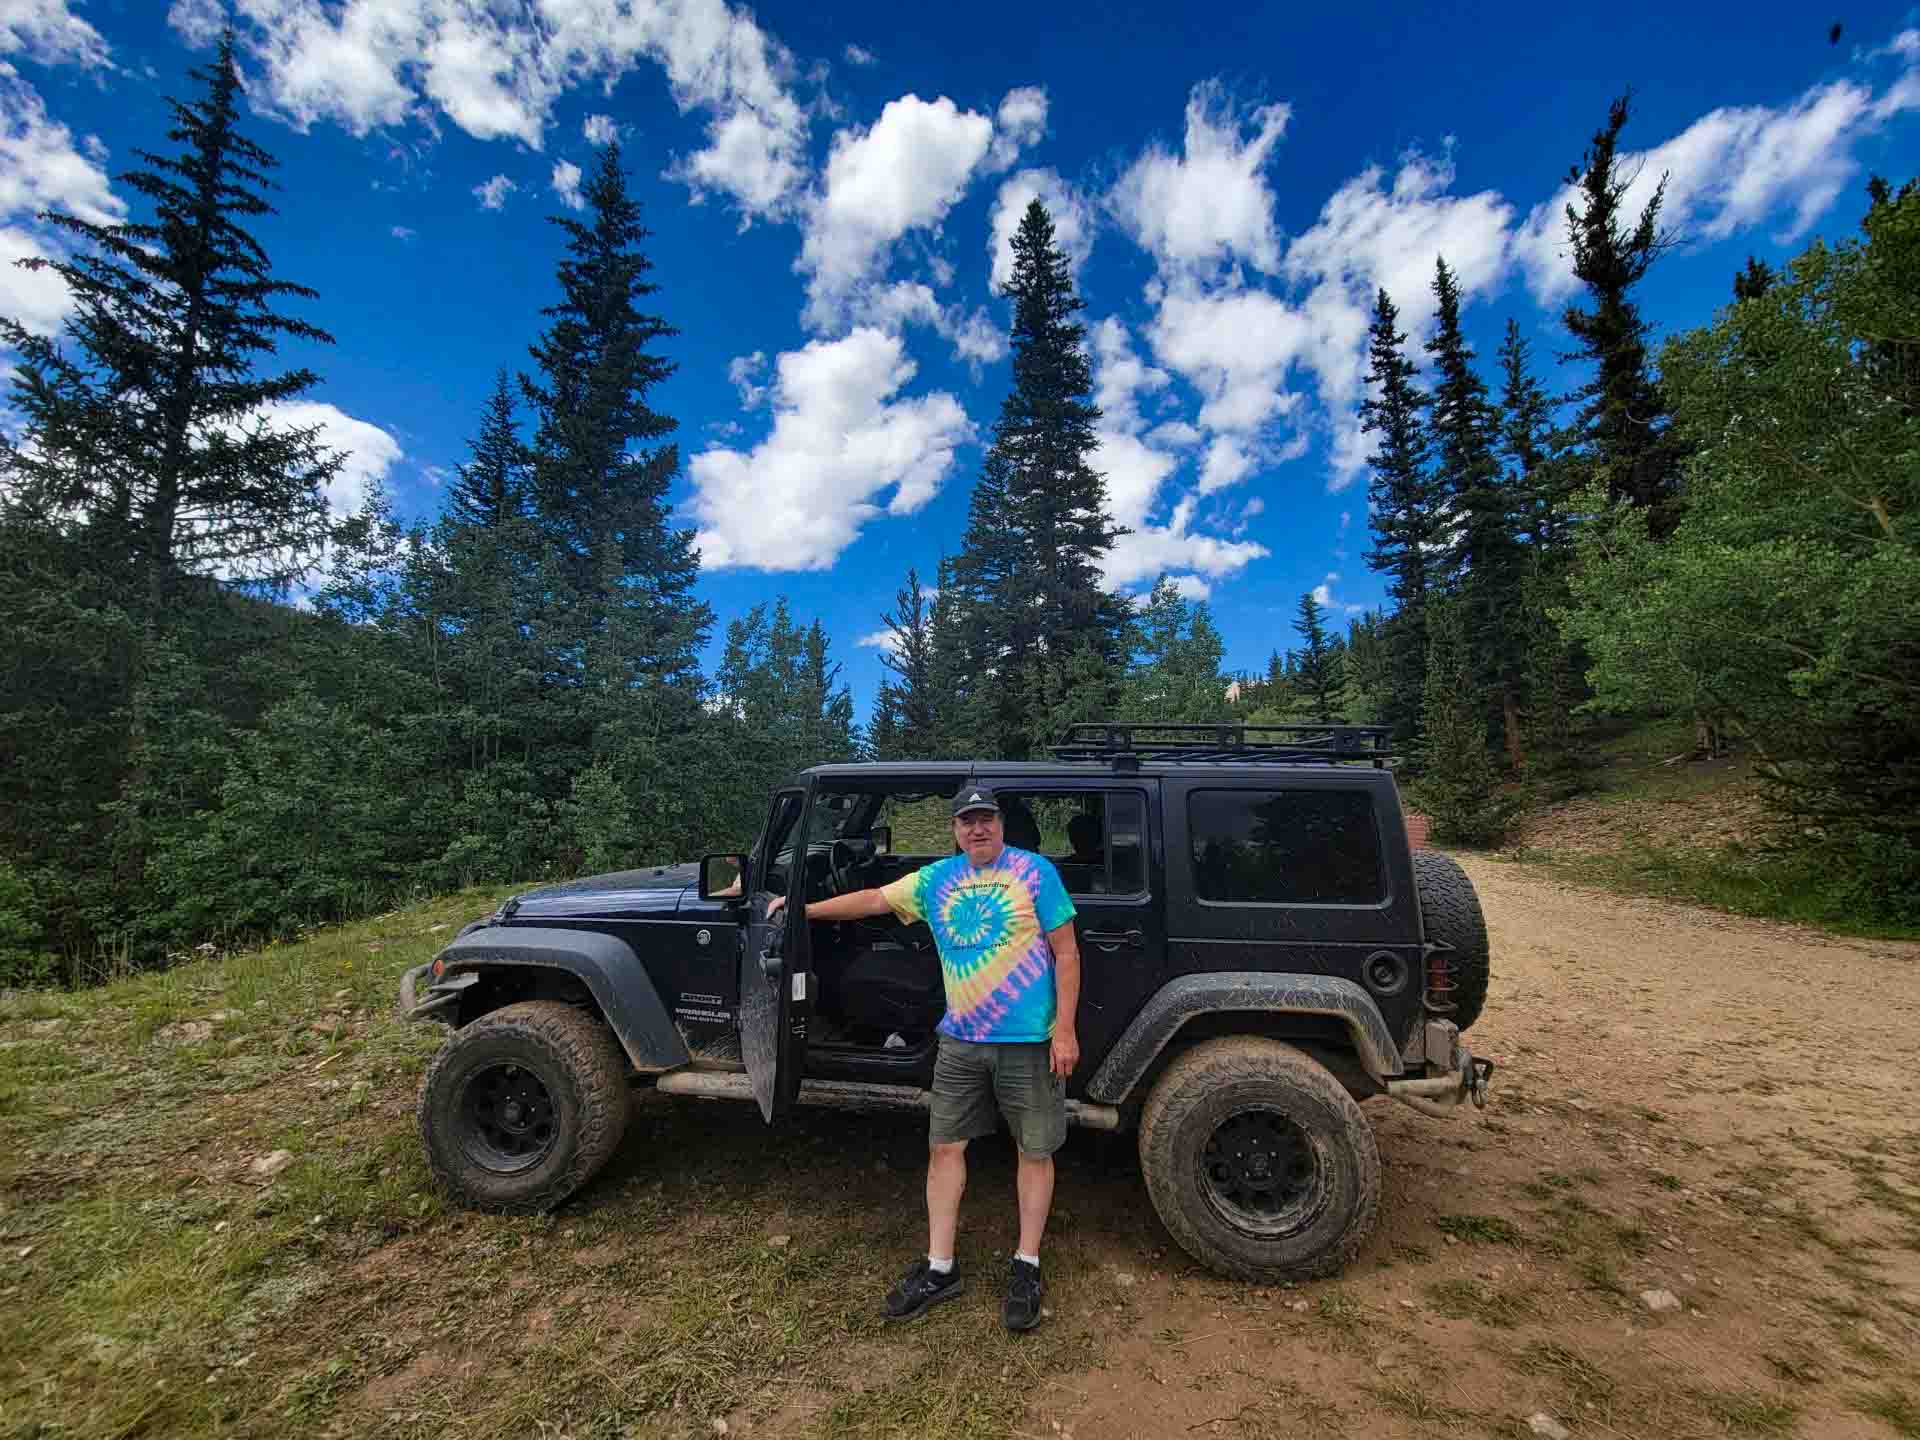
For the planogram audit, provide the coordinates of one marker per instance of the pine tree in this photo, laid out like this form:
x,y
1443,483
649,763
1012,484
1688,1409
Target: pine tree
x,y
1457,788
1486,555
1526,437
1402,509
491,488
619,624
1754,281
1038,526
147,438
477,584
1176,677
910,728
1625,416
1319,673
1367,668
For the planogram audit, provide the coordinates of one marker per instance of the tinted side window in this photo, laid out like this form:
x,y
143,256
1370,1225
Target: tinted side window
x,y
1285,847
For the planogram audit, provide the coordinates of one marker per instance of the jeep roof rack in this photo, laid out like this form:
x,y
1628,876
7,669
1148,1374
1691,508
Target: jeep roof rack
x,y
1125,744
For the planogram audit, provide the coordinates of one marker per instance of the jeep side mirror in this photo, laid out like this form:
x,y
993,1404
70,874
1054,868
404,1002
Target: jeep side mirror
x,y
882,838
723,877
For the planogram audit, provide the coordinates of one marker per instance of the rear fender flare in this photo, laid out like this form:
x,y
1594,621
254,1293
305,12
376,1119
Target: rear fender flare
x,y
607,966
1243,991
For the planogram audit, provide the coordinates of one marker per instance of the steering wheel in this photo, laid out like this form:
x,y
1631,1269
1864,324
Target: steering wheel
x,y
841,858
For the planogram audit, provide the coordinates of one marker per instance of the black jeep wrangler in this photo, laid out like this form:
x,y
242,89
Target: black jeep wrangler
x,y
1261,950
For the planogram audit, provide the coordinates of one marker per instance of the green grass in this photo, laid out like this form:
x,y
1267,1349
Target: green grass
x,y
1480,1229
1749,1412
1584,1382
1893,1405
155,1285
1803,889
1461,1299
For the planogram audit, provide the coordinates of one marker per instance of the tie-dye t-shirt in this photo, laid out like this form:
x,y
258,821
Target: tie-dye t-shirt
x,y
990,923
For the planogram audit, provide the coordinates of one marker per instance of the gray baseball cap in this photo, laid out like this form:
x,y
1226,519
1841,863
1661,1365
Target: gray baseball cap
x,y
974,797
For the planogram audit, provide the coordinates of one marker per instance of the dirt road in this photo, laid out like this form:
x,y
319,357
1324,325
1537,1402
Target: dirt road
x,y
1715,1107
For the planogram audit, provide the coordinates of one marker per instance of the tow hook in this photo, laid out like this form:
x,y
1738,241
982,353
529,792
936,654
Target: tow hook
x,y
1477,1085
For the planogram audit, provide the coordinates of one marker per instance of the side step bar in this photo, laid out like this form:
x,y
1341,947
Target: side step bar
x,y
849,1095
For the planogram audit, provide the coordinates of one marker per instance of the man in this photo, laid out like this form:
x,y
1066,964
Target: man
x,y
1003,925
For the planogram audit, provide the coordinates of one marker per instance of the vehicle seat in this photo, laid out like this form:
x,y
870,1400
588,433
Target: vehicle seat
x,y
890,988
1021,829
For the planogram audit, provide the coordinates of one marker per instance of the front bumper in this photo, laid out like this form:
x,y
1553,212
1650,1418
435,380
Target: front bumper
x,y
424,998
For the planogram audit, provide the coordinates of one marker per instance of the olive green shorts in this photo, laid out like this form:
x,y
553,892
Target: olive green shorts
x,y
974,1084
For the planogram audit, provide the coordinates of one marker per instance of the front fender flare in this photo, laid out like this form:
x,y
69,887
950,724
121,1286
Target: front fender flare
x,y
1258,991
612,973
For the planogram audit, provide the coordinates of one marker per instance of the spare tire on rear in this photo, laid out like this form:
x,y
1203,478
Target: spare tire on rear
x,y
1450,911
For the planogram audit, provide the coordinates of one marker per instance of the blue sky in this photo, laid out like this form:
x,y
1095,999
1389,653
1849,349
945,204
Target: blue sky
x,y
825,185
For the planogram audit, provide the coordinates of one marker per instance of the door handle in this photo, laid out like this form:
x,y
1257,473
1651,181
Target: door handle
x,y
1115,937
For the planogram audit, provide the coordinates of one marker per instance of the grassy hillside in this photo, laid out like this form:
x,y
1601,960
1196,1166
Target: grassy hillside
x,y
162,1275
1655,821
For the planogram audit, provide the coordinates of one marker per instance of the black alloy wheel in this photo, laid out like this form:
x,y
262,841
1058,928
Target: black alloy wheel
x,y
510,1120
1261,1173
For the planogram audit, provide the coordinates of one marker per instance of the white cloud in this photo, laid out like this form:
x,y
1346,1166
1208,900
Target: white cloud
x,y
978,339
1323,596
566,184
403,232
369,450
1134,468
840,442
1073,219
1137,469
743,373
856,55
493,193
48,33
1228,463
1154,550
1212,202
893,306
1385,230
887,640
1734,168
1019,123
600,130
496,71
1190,587
42,169
37,299
1235,346
1374,232
902,174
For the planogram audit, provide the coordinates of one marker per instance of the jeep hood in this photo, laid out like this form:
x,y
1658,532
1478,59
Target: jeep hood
x,y
656,890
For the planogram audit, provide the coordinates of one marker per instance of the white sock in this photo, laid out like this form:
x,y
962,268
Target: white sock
x,y
939,1266
1033,1260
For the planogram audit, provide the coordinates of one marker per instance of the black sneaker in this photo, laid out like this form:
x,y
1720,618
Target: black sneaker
x,y
1021,1310
920,1289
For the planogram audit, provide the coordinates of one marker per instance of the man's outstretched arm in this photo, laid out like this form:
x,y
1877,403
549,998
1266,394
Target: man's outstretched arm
x,y
855,905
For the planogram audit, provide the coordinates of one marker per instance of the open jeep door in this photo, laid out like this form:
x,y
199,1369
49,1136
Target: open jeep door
x,y
776,970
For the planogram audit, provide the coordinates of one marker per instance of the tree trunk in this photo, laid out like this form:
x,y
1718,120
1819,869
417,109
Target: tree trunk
x,y
1510,711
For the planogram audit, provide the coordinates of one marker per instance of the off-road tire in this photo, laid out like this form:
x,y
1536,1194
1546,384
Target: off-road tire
x,y
579,1063
1213,1084
1451,911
